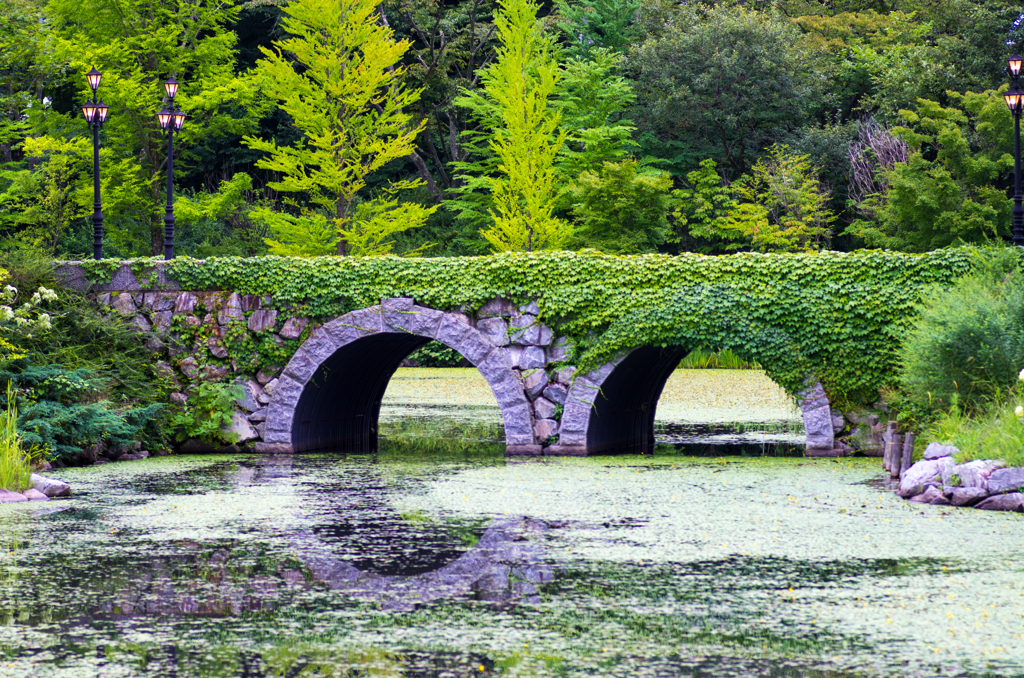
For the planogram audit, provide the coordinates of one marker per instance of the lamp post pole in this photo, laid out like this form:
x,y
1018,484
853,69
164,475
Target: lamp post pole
x,y
171,119
95,113
1015,101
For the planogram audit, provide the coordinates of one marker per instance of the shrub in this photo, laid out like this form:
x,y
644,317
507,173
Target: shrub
x,y
208,412
436,354
995,432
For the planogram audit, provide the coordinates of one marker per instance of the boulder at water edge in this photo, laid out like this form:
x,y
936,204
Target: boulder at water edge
x,y
51,487
976,473
1003,502
8,497
924,474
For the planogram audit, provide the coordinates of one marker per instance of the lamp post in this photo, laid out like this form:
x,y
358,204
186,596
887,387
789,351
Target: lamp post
x,y
1015,101
95,113
171,119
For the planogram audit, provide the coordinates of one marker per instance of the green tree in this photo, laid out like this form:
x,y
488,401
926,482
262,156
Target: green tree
x,y
933,203
622,208
702,209
596,24
344,91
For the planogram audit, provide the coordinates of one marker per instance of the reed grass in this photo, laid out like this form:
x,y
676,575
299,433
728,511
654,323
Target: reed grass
x,y
15,461
701,359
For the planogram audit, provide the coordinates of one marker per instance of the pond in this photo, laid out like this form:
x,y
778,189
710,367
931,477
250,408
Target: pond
x,y
440,557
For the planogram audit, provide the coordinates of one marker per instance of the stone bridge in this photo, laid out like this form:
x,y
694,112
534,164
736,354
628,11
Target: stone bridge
x,y
328,395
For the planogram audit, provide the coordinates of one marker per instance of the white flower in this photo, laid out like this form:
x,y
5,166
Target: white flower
x,y
1019,411
1021,375
36,298
47,294
6,313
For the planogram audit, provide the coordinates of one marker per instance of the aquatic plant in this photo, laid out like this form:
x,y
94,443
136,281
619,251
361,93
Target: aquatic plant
x,y
701,359
15,462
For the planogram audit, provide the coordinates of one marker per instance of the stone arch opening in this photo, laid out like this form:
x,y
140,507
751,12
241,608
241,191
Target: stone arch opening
x,y
330,393
613,409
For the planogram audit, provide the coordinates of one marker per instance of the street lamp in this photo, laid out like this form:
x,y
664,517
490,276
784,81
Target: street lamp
x,y
171,119
95,113
1015,101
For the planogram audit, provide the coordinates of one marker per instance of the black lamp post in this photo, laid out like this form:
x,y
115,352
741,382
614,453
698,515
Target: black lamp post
x,y
171,119
1015,101
95,113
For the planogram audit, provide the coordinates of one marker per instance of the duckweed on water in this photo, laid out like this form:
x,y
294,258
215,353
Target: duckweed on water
x,y
470,564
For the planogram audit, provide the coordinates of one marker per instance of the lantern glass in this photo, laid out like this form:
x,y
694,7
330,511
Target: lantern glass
x,y
164,116
1013,100
101,112
171,87
179,118
1015,63
89,111
93,77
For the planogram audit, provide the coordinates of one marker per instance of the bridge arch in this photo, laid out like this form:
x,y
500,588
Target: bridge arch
x,y
612,409
329,394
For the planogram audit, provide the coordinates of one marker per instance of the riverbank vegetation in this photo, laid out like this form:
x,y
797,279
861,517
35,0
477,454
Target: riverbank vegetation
x,y
628,126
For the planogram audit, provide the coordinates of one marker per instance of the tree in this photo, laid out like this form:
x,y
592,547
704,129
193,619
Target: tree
x,y
621,208
929,204
344,91
516,95
721,82
596,24
702,209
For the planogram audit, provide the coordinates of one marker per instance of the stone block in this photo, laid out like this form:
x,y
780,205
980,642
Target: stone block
x,y
813,397
250,303
268,391
534,383
838,422
938,450
518,424
508,391
274,448
293,328
556,393
425,321
931,495
216,348
818,425
258,416
397,303
497,307
250,391
514,355
366,320
966,496
525,330
240,428
213,372
451,332
475,348
185,303
123,304
494,330
523,450
32,494
561,450
162,320
1003,502
189,367
564,375
267,373
533,358
924,474
302,366
232,310
1006,480
561,350
976,473
124,279
261,321
141,323
544,408
545,428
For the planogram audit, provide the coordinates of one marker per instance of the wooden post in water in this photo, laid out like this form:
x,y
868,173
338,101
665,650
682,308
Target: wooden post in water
x,y
897,456
908,454
887,450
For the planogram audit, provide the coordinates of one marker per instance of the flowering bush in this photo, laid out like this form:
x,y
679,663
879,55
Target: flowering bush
x,y
21,320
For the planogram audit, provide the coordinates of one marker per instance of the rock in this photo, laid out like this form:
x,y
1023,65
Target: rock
x,y
496,307
931,495
544,408
240,428
101,462
124,305
532,308
268,391
560,350
214,372
130,457
924,474
261,321
196,446
232,310
563,375
185,303
45,466
178,398
228,449
51,487
495,330
545,428
1006,480
938,451
533,358
515,356
189,367
293,328
8,497
155,345
1003,502
534,383
818,426
838,422
216,348
250,303
162,320
265,375
863,418
976,473
966,496
32,494
259,415
525,330
250,391
556,393
140,323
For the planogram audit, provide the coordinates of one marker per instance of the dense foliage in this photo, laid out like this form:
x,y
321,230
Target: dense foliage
x,y
462,127
838,316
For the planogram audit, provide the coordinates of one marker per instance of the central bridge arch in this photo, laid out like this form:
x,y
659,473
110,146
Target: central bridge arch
x,y
330,393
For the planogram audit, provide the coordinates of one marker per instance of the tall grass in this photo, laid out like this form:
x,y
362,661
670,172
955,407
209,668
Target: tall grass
x,y
995,431
700,359
15,466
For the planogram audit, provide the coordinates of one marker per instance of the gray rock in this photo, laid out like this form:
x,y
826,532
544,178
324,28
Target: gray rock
x,y
189,367
130,457
494,330
268,391
544,408
155,345
1003,502
186,303
217,349
210,372
51,487
101,462
556,393
241,428
924,474
32,494
140,323
232,310
530,308
124,304
162,320
8,497
178,398
250,303
514,355
250,391
196,446
533,358
534,383
1006,480
496,307
261,321
938,451
931,495
838,422
818,426
545,428
561,349
259,415
966,496
563,375
976,473
293,328
525,330
265,375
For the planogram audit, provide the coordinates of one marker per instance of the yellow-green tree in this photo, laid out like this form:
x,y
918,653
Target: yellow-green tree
x,y
338,76
519,87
